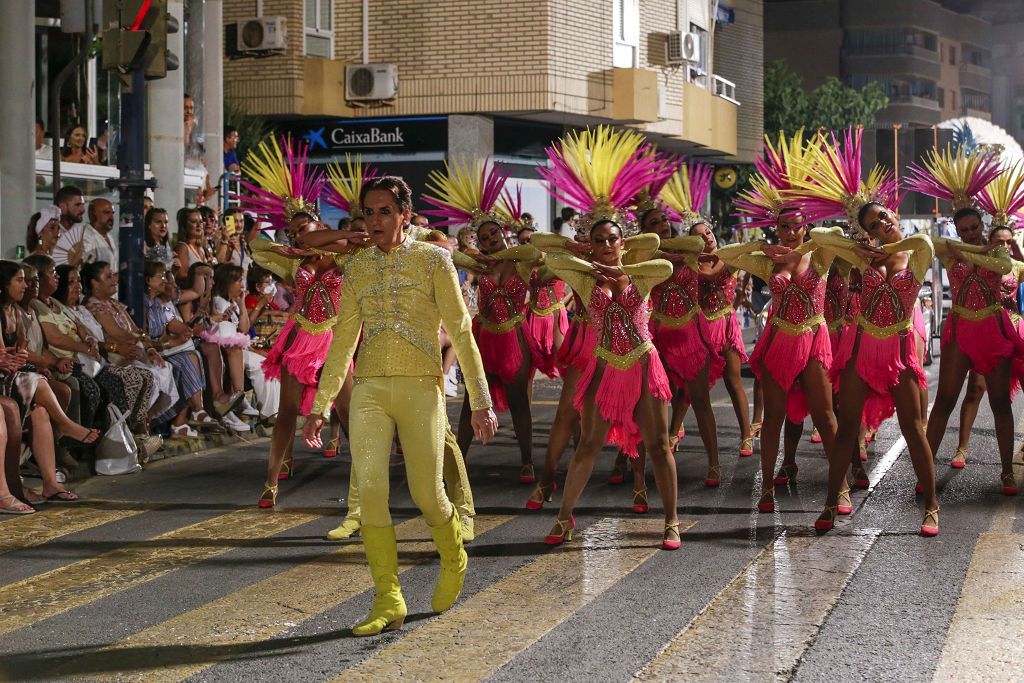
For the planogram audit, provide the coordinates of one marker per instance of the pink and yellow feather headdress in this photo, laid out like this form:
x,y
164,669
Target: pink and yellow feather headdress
x,y
345,185
826,183
510,210
767,199
686,191
649,197
1003,198
957,178
283,184
599,172
467,193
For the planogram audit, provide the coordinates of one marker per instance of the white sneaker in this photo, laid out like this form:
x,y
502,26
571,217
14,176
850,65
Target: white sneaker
x,y
245,408
234,424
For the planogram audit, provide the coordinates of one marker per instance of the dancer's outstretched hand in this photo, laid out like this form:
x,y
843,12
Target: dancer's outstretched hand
x,y
311,432
485,424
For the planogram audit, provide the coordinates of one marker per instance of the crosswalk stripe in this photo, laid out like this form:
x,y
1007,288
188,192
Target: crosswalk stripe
x,y
769,614
42,596
518,610
230,625
57,521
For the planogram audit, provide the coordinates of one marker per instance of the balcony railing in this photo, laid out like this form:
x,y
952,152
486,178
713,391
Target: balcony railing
x,y
725,89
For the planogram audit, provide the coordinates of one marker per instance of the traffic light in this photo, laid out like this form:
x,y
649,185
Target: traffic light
x,y
135,35
159,60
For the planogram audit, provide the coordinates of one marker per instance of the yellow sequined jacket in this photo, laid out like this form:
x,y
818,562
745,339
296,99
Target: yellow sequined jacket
x,y
399,299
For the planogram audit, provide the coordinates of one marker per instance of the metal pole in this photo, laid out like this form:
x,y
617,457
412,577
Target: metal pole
x,y
58,85
366,31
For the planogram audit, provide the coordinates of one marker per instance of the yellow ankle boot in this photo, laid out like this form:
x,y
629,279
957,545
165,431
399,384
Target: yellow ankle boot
x,y
350,526
388,611
448,539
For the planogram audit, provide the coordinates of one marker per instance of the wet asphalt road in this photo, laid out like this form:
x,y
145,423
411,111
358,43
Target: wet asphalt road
x,y
171,574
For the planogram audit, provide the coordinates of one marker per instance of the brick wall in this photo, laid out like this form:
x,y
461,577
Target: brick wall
x,y
739,58
271,85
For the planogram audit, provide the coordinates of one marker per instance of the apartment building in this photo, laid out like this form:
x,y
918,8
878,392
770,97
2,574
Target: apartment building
x,y
935,63
493,78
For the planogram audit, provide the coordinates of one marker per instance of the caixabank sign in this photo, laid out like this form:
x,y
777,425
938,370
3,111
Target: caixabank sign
x,y
368,136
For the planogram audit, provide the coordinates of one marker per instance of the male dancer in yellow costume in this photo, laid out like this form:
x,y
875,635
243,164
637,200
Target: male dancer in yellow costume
x,y
398,292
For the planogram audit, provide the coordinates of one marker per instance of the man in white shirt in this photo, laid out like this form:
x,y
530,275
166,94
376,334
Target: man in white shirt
x,y
97,244
43,150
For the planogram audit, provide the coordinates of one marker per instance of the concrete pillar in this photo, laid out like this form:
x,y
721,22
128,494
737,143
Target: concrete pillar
x,y
213,88
17,122
166,125
470,137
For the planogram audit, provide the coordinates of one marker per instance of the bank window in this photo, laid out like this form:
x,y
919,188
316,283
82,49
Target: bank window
x,y
319,29
626,24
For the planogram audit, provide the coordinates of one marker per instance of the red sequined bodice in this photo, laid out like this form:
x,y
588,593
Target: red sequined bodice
x,y
889,301
837,296
678,295
501,303
798,299
318,294
1008,287
974,288
717,291
619,320
545,295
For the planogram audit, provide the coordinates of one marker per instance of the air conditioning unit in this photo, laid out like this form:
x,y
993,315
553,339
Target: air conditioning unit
x,y
260,34
365,82
683,47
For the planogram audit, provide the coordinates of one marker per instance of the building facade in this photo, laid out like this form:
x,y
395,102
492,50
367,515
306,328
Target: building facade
x,y
490,78
933,62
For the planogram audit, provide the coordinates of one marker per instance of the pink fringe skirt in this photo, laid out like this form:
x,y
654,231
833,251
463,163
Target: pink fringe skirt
x,y
684,351
234,340
785,356
879,362
303,358
988,342
502,357
578,346
541,330
724,334
618,394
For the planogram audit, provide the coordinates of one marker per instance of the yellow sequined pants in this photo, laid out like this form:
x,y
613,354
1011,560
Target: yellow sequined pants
x,y
456,480
415,407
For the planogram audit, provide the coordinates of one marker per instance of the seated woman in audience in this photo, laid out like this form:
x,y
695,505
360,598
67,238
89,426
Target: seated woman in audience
x,y
124,342
158,239
43,231
229,332
127,387
191,247
173,339
11,492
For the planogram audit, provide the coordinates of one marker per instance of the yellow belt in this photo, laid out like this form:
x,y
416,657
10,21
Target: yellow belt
x,y
980,314
720,313
501,328
550,310
837,325
627,361
797,329
315,328
676,323
884,332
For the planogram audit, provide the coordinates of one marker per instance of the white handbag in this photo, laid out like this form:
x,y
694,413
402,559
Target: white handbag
x,y
117,452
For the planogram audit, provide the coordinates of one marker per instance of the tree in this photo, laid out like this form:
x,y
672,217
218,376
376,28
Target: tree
x,y
833,106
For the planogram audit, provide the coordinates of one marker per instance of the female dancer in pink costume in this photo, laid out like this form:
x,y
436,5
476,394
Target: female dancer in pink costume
x,y
979,334
467,195
876,368
623,393
285,193
717,292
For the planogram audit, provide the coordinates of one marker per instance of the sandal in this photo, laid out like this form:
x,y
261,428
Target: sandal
x,y
201,418
184,432
14,507
270,502
526,475
746,446
640,507
755,429
332,447
1010,487
544,493
63,497
786,475
815,436
287,469
827,520
959,459
667,543
860,479
618,475
714,477
565,529
89,441
845,504
767,501
863,445
930,529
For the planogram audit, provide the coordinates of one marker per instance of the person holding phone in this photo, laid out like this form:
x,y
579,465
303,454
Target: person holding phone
x,y
75,149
